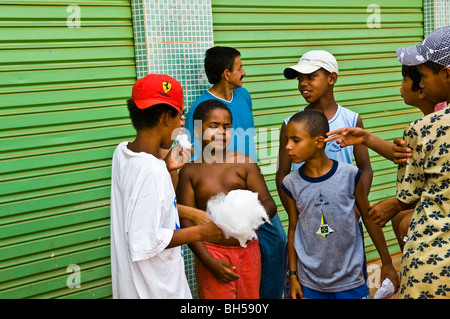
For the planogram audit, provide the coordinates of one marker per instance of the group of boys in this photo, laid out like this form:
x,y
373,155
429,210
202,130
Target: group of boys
x,y
150,221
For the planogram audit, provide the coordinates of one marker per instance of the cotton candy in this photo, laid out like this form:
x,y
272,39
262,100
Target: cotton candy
x,y
238,214
184,141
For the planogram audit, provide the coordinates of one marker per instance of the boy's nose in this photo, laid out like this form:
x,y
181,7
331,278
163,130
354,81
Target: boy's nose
x,y
421,84
221,130
303,82
288,146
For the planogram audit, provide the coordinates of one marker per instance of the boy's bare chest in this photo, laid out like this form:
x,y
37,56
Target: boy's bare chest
x,y
217,179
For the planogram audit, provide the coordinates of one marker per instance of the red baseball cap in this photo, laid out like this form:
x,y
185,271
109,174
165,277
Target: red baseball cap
x,y
156,89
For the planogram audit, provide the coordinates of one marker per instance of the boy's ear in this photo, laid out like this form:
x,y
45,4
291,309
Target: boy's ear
x,y
165,118
320,142
421,93
332,78
446,71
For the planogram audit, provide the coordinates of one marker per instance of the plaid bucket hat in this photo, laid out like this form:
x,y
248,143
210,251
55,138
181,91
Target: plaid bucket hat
x,y
435,48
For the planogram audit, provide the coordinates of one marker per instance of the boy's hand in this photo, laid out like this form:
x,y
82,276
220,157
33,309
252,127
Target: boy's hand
x,y
384,210
401,153
347,136
177,157
391,273
210,232
296,288
222,270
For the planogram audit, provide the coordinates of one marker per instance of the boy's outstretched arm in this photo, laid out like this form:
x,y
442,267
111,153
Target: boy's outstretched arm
x,y
207,232
377,236
198,216
347,136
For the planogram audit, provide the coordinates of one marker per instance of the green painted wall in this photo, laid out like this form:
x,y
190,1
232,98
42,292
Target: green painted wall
x,y
65,75
63,86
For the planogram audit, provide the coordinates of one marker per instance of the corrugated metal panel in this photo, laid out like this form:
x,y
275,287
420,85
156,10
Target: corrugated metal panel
x,y
63,90
272,35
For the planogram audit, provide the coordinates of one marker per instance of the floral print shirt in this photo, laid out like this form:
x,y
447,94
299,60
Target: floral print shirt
x,y
425,180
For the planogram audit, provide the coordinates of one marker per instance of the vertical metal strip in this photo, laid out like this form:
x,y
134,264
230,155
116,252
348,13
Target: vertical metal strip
x,y
171,37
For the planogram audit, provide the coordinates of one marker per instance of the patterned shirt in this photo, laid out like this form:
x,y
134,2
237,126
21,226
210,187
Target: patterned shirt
x,y
425,180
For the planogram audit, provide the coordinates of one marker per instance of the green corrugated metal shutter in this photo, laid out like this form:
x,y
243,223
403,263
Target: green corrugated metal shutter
x,y
62,90
272,34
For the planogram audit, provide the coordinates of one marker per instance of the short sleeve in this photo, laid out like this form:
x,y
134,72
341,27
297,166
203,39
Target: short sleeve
x,y
410,176
285,186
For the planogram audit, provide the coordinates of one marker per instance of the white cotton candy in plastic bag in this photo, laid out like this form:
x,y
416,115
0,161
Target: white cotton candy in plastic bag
x,y
386,290
238,214
184,141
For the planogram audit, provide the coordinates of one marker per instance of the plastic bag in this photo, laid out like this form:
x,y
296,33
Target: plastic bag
x,y
386,290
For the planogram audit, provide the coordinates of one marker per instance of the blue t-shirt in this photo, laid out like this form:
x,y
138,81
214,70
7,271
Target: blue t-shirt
x,y
244,133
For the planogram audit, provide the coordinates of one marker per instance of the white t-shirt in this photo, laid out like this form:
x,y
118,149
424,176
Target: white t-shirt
x,y
143,219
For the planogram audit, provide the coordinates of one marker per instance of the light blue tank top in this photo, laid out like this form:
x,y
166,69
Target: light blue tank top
x,y
343,118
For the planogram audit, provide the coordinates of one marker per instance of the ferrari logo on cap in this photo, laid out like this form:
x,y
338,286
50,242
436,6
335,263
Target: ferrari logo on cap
x,y
166,86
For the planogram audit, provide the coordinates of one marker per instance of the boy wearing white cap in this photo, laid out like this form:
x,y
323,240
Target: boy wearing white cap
x,y
317,72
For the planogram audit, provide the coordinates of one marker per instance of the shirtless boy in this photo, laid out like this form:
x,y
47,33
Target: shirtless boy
x,y
225,270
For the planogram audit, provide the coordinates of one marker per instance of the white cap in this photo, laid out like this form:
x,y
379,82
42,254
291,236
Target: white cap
x,y
310,62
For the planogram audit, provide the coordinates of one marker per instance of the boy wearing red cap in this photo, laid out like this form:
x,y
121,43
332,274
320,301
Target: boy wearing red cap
x,y
146,253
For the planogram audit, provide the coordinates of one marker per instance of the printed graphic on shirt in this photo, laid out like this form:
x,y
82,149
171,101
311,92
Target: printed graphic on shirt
x,y
333,147
324,228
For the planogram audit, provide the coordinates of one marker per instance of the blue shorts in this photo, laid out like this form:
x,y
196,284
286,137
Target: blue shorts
x,y
361,292
272,242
